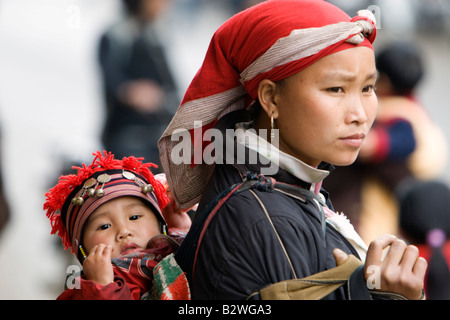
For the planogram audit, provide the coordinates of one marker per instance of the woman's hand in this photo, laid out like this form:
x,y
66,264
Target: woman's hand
x,y
97,266
401,270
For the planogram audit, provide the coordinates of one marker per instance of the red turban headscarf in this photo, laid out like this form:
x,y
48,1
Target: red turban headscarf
x,y
272,40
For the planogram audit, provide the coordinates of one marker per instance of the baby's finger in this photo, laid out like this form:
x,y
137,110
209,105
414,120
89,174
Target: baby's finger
x,y
108,251
100,248
93,250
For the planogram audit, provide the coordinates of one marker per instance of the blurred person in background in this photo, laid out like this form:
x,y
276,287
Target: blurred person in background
x,y
4,208
425,222
403,142
239,5
140,92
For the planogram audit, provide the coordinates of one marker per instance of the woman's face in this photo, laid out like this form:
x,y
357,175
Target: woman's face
x,y
326,110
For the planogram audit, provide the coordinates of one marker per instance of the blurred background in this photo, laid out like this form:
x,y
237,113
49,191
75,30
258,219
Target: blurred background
x,y
59,97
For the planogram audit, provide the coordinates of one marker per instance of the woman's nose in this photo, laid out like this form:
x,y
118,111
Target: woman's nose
x,y
357,112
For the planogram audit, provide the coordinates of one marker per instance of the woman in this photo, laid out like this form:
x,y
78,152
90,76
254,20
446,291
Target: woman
x,y
305,72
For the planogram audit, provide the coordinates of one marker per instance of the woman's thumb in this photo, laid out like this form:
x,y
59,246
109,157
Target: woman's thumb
x,y
340,256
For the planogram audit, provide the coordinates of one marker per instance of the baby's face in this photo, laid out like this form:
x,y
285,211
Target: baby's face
x,y
125,223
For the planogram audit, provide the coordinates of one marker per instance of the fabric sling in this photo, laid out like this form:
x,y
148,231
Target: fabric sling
x,y
314,287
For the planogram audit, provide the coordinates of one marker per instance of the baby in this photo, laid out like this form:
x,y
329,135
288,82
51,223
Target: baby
x,y
111,215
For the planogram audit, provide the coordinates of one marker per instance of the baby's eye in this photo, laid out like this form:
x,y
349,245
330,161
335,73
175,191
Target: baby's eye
x,y
104,227
135,217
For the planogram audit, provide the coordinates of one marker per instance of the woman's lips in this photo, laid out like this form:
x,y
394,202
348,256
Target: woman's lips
x,y
354,140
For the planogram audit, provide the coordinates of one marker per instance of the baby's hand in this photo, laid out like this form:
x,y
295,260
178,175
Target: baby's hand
x,y
97,266
174,216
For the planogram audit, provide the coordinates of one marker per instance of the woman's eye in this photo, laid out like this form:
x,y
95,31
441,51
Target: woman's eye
x,y
335,90
369,89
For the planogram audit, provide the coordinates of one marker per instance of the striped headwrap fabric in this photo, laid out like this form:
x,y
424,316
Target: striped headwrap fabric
x,y
272,40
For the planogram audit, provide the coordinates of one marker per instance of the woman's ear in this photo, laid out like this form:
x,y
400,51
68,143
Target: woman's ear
x,y
267,95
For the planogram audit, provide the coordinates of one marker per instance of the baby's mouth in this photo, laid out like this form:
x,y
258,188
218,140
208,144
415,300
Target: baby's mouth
x,y
129,248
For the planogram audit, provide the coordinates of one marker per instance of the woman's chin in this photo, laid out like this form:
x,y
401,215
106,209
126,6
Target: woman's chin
x,y
344,161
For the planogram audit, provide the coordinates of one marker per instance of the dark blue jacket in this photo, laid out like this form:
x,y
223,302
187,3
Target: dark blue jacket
x,y
240,252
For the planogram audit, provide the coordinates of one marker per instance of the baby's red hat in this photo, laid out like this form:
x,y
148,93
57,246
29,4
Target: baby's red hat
x,y
70,203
